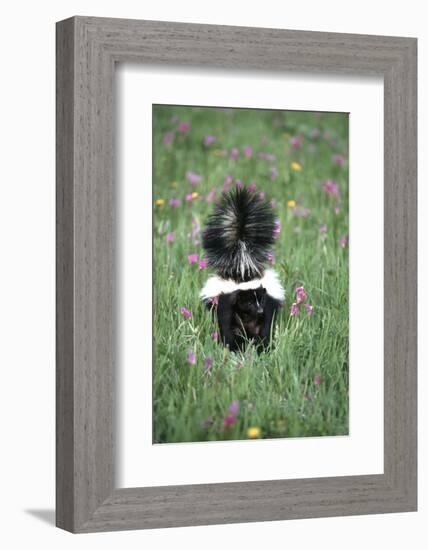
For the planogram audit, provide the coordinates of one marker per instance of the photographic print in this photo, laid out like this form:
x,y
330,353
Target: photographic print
x,y
250,274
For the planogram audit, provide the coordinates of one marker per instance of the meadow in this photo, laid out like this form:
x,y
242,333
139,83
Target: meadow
x,y
299,161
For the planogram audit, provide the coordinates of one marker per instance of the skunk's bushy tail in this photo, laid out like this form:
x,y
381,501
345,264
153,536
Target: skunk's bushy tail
x,y
239,235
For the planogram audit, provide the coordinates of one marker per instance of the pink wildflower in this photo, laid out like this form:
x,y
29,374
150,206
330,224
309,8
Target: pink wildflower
x,y
234,152
301,295
170,237
174,203
273,172
239,184
186,313
343,241
296,142
309,309
294,310
248,151
183,127
317,380
262,195
214,302
229,420
203,264
191,358
337,210
332,188
208,363
338,160
226,184
193,178
323,228
277,229
214,336
209,140
168,138
234,407
252,187
270,258
211,195
273,203
192,258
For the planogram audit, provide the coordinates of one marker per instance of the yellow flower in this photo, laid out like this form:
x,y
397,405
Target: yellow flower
x,y
195,194
160,202
291,204
296,166
254,432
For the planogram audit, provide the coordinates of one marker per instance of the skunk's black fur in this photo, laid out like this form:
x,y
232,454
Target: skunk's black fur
x,y
239,235
237,240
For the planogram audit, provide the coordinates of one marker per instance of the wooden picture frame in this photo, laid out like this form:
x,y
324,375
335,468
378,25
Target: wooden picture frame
x,y
87,50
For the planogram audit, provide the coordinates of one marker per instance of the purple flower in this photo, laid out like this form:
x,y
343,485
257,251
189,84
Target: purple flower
x,y
168,137
190,197
226,184
309,309
203,264
266,156
296,142
234,152
214,336
183,127
234,407
294,310
174,203
337,210
262,195
317,380
186,313
211,195
214,302
248,151
301,295
209,140
277,229
208,363
239,184
193,178
192,259
229,420
170,237
270,258
252,187
323,228
273,172
338,160
332,188
191,358
343,241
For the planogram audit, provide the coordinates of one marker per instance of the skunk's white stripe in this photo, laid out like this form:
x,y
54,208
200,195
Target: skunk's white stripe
x,y
215,286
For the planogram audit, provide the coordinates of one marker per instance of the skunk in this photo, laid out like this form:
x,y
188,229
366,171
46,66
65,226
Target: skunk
x,y
238,238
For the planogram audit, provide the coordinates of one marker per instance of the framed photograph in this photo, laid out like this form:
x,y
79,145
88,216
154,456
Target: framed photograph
x,y
236,274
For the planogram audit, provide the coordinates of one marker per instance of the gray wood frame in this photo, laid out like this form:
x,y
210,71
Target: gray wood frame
x,y
87,50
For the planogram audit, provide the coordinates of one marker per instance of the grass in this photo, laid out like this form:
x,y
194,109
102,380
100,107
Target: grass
x,y
299,388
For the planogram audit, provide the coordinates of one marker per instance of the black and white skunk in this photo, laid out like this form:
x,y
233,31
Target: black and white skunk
x,y
237,240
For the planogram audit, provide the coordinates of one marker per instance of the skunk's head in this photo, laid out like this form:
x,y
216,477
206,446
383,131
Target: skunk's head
x,y
251,302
